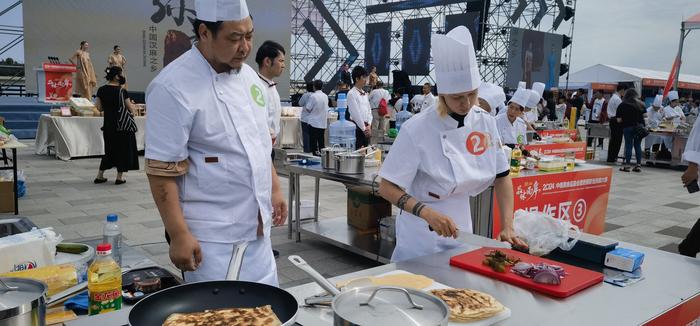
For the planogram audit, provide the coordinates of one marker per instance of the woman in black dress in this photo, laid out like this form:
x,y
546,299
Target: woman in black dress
x,y
120,145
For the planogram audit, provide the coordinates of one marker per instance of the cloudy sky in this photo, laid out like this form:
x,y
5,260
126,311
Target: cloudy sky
x,y
634,33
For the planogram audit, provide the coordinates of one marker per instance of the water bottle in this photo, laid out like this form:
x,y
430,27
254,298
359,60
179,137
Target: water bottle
x,y
113,235
403,115
342,132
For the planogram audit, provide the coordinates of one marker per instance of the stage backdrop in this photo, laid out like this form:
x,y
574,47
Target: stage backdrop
x,y
533,57
150,33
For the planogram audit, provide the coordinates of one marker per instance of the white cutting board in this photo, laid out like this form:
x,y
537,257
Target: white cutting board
x,y
505,314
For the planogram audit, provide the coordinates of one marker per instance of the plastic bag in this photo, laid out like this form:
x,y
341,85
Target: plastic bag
x,y
544,233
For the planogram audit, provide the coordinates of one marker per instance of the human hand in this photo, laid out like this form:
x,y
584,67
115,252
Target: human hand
x,y
367,132
279,208
690,174
508,235
185,252
442,225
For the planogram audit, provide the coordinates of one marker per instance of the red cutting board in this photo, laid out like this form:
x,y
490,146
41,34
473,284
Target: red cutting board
x,y
576,279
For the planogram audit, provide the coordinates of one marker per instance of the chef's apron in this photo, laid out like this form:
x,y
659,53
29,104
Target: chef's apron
x,y
472,153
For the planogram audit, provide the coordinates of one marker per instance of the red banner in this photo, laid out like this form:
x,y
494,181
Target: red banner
x,y
58,82
560,149
686,313
578,196
572,133
672,75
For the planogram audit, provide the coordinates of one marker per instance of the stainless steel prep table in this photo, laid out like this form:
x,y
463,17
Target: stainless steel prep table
x,y
670,280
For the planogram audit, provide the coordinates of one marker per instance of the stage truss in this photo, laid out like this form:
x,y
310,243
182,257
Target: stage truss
x,y
326,34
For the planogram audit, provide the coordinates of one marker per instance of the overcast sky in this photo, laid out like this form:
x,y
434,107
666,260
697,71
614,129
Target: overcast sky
x,y
634,33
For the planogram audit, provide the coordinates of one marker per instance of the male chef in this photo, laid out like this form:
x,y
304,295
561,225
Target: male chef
x,y
208,151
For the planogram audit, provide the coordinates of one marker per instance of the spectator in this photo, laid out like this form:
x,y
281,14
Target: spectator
x,y
118,133
373,77
318,118
615,128
359,110
379,122
690,246
344,73
630,116
396,106
561,109
305,112
598,107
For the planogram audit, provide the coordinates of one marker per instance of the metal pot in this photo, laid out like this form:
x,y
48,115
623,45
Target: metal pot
x,y
22,302
328,156
380,305
350,163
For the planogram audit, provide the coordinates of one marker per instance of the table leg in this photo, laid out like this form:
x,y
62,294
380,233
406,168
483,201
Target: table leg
x,y
14,173
316,191
297,205
290,214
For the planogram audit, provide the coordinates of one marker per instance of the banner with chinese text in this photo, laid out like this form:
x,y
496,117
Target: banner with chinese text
x,y
559,149
58,82
572,133
578,196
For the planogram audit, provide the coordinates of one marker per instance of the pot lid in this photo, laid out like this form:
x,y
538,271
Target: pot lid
x,y
390,306
26,291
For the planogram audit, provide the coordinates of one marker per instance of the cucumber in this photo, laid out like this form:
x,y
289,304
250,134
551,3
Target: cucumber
x,y
71,248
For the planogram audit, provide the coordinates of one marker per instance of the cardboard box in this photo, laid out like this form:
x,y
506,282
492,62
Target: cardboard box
x,y
7,197
365,209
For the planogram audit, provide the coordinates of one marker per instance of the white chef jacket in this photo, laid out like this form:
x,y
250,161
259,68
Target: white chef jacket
x,y
430,159
675,113
417,102
531,116
692,147
597,109
303,101
398,106
219,122
512,133
428,101
318,106
655,117
274,106
614,102
376,95
358,106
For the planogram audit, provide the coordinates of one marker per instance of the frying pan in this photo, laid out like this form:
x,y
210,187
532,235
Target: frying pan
x,y
200,296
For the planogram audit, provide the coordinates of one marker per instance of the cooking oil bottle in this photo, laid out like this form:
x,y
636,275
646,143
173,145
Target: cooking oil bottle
x,y
515,157
104,282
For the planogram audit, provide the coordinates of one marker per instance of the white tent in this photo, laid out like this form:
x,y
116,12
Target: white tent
x,y
602,73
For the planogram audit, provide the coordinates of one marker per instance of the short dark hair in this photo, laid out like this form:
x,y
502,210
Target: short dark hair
x,y
112,72
115,47
269,49
358,72
213,27
620,87
309,86
82,43
318,84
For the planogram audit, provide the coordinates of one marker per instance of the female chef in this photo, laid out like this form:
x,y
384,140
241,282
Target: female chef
x,y
511,126
444,155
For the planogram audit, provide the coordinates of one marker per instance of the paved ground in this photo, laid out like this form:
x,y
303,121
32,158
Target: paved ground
x,y
648,208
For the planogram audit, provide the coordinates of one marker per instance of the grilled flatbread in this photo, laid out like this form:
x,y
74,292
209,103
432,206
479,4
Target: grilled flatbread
x,y
469,305
259,316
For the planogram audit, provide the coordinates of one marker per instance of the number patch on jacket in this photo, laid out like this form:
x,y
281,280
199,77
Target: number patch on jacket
x,y
477,143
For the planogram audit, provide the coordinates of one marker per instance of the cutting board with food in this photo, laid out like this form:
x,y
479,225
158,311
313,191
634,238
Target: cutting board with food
x,y
527,271
488,311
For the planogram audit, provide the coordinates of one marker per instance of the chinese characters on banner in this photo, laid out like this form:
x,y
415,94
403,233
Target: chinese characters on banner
x,y
572,133
58,82
153,48
559,149
174,42
578,196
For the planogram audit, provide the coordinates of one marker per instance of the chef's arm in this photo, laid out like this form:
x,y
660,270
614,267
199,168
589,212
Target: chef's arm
x,y
504,194
279,205
165,195
441,224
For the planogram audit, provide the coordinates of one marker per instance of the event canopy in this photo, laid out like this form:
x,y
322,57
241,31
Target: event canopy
x,y
602,73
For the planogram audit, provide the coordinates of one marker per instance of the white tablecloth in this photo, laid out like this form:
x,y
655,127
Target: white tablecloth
x,y
73,137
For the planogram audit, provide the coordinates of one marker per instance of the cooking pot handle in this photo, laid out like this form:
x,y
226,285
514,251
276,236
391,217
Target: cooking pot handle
x,y
4,287
325,284
397,289
234,266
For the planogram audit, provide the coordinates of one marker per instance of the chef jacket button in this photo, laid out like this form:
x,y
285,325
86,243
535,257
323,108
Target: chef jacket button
x,y
221,93
444,136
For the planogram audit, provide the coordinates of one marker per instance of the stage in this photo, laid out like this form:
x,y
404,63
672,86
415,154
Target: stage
x,y
22,114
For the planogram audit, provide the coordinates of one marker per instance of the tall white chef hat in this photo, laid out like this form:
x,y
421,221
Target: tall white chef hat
x,y
456,70
539,88
522,84
533,99
521,97
221,10
672,95
658,100
493,94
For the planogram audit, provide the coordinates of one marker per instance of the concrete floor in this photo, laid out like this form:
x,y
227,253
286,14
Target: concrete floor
x,y
648,208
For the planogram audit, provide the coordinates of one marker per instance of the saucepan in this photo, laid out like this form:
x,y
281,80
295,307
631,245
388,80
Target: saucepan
x,y
200,296
379,305
328,156
350,163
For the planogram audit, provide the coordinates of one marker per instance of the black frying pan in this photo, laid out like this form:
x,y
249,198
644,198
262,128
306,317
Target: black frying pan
x,y
200,296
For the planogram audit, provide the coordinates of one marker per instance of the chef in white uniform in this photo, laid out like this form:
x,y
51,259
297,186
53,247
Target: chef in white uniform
x,y
491,97
208,151
511,127
270,59
444,155
655,115
531,114
428,97
673,110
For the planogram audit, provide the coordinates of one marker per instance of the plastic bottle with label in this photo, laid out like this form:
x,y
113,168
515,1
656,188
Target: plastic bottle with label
x,y
342,132
112,234
104,282
403,115
515,157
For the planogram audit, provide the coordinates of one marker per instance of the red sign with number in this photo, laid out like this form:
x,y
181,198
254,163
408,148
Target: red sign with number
x,y
560,149
477,143
578,196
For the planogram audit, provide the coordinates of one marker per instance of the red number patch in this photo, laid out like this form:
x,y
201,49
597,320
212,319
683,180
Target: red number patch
x,y
476,143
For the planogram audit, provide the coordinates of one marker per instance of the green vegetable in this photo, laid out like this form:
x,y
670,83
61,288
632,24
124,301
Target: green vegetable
x,y
71,248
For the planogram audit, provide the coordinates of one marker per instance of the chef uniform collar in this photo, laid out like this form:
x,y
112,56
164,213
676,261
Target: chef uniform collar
x,y
269,82
454,59
533,99
459,118
672,95
492,94
658,101
221,10
521,97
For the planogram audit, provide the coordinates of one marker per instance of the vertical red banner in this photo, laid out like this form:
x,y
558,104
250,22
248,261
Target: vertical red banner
x,y
58,82
578,196
672,75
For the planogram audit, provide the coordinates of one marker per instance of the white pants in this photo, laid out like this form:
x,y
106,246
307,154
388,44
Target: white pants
x,y
258,262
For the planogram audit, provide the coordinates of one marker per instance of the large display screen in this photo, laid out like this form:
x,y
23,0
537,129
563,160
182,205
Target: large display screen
x,y
416,46
378,47
533,57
